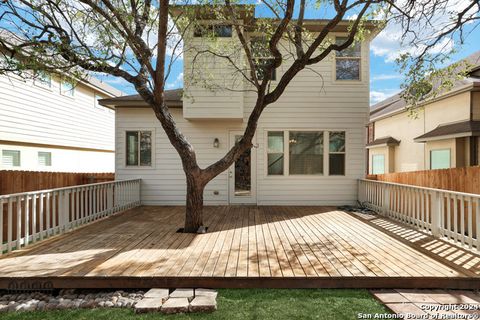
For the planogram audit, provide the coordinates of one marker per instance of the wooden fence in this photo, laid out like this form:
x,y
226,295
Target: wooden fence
x,y
465,180
24,181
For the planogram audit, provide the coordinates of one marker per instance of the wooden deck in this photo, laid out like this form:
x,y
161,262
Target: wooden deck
x,y
244,247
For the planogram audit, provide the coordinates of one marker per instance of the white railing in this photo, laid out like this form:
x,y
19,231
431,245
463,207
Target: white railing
x,y
443,213
29,217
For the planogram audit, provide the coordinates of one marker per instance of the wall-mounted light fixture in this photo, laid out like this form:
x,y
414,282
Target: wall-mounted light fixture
x,y
216,143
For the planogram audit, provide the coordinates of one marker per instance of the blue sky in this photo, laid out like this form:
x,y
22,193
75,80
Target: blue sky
x,y
385,78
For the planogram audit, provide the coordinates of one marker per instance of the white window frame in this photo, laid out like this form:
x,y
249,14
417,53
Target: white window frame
x,y
138,167
19,158
449,158
384,164
286,150
38,158
338,152
334,67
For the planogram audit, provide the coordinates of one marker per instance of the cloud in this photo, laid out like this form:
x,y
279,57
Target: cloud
x,y
382,77
390,45
382,94
178,82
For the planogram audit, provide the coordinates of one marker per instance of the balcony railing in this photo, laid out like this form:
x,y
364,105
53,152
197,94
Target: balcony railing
x,y
449,214
33,216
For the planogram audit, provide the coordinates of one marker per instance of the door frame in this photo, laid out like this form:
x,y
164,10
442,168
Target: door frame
x,y
252,198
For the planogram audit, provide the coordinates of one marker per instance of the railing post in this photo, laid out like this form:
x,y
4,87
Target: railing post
x,y
436,212
386,200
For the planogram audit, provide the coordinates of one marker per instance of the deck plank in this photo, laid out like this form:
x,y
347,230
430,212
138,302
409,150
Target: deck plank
x,y
269,242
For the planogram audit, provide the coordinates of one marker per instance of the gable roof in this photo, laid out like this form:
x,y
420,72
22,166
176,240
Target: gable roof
x,y
396,103
173,99
385,141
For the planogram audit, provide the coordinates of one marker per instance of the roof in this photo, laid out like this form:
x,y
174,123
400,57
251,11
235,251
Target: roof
x,y
246,12
384,141
397,103
452,130
173,99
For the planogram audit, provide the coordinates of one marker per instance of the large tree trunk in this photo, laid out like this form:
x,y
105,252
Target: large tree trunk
x,y
194,209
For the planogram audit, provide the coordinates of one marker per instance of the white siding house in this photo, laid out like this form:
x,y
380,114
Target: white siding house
x,y
49,125
326,113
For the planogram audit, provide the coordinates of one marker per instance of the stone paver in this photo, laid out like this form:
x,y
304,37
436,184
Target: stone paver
x,y
405,308
183,293
205,293
438,304
418,296
389,296
175,305
203,304
148,305
158,293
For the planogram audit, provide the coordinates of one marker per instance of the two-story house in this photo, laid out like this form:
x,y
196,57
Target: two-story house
x,y
443,133
309,145
51,123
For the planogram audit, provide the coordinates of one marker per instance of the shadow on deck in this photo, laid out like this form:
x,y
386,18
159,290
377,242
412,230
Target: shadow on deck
x,y
270,246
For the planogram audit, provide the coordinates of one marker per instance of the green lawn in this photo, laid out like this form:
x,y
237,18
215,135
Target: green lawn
x,y
242,304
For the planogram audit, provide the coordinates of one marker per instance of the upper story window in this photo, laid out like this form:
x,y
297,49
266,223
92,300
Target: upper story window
x,y
261,57
11,158
67,88
347,61
139,148
211,30
43,79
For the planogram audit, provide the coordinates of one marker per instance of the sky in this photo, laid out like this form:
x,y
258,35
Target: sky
x,y
385,78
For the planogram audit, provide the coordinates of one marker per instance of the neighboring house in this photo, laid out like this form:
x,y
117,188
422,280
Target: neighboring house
x,y
309,145
444,134
51,124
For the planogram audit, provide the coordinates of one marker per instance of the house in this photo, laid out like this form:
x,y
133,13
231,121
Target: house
x,y
443,134
53,124
309,145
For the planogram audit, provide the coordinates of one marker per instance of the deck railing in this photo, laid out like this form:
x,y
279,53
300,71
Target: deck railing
x,y
443,213
33,216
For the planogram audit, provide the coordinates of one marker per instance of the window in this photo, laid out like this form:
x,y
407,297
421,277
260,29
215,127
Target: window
x,y
220,31
11,158
67,88
378,164
336,158
440,159
305,152
43,79
347,61
275,153
44,158
262,58
139,148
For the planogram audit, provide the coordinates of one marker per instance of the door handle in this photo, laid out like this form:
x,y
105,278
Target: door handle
x,y
230,174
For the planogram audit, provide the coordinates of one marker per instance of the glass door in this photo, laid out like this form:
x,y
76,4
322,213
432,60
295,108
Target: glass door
x,y
241,175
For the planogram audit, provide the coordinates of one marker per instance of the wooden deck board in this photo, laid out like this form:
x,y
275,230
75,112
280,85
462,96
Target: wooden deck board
x,y
263,243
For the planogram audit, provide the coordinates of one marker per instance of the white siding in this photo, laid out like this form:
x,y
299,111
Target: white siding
x,y
34,114
63,160
310,103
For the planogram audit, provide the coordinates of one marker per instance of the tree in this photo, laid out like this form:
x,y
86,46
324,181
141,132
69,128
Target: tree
x,y
137,41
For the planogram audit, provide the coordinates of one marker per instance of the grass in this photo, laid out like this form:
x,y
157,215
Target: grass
x,y
264,304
